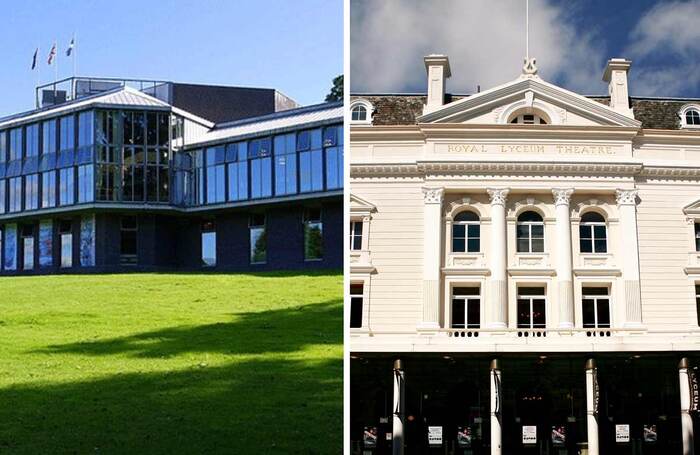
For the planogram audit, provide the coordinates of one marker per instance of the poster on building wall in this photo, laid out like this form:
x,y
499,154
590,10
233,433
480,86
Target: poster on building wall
x,y
650,434
622,433
529,434
435,436
369,438
558,435
464,436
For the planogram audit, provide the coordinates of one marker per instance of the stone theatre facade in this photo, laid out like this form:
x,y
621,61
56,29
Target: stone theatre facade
x,y
524,268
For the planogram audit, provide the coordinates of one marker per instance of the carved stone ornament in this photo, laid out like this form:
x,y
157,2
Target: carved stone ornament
x,y
626,197
433,195
498,195
530,66
562,195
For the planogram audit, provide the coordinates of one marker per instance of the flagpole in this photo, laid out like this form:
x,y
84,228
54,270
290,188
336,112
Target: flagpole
x,y
56,68
38,76
74,54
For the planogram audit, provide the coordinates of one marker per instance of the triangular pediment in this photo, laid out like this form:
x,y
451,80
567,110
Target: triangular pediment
x,y
525,95
692,208
359,206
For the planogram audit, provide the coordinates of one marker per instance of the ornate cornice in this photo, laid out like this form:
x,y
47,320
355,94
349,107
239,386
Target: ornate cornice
x,y
562,196
626,197
498,196
433,195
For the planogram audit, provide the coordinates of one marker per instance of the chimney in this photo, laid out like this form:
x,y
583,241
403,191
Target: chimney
x,y
616,77
438,69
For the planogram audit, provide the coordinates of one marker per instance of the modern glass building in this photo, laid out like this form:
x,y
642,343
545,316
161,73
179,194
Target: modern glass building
x,y
116,175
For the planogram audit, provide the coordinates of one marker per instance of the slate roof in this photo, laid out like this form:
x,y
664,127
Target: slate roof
x,y
402,109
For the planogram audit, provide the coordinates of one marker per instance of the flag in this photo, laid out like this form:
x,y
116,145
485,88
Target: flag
x,y
52,54
70,47
36,53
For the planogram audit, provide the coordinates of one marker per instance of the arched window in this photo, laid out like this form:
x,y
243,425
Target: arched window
x,y
593,235
530,233
529,119
692,117
466,233
359,113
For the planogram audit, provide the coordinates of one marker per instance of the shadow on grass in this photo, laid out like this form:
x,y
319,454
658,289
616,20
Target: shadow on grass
x,y
266,403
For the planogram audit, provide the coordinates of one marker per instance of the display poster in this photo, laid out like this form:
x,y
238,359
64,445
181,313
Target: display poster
x,y
622,433
558,435
435,436
370,437
529,434
464,436
650,434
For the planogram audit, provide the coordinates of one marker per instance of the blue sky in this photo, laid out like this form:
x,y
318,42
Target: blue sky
x,y
571,39
294,46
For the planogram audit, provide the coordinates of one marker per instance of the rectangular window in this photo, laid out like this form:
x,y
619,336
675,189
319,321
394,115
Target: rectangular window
x,y
48,134
66,150
259,154
48,189
87,241
531,308
10,259
128,252
45,243
15,194
86,183
697,301
334,158
216,176
66,187
15,144
31,158
697,237
208,244
31,192
86,137
28,247
258,239
310,161
285,164
2,196
466,308
356,302
466,236
313,235
356,235
237,155
596,307
65,231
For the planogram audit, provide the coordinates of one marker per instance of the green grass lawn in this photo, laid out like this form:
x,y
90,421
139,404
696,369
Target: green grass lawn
x,y
171,363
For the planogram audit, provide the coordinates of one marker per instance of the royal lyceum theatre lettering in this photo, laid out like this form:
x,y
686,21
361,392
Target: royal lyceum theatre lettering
x,y
545,149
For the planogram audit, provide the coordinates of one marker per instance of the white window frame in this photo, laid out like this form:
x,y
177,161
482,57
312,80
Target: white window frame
x,y
536,120
593,238
467,299
595,298
354,236
542,296
362,297
466,237
368,108
529,225
682,114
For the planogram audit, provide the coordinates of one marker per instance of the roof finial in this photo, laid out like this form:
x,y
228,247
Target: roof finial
x,y
530,66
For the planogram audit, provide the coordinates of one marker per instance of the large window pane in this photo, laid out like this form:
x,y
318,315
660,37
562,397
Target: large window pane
x,y
208,244
86,192
31,192
45,243
87,241
48,189
356,303
67,186
28,247
128,252
65,230
258,241
15,185
313,235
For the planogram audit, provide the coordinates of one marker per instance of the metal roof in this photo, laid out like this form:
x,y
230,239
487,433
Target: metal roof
x,y
119,97
279,121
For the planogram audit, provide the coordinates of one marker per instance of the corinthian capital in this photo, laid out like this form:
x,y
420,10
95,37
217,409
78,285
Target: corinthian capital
x,y
562,196
498,196
626,197
433,195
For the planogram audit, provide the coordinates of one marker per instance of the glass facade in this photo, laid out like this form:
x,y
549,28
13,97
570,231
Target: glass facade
x,y
45,243
258,240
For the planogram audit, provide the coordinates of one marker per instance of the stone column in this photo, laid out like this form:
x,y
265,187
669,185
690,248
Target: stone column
x,y
399,403
592,406
496,407
432,236
627,206
686,418
562,196
498,257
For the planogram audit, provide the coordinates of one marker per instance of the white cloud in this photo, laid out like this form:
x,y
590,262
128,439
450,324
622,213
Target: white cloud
x,y
485,40
665,45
